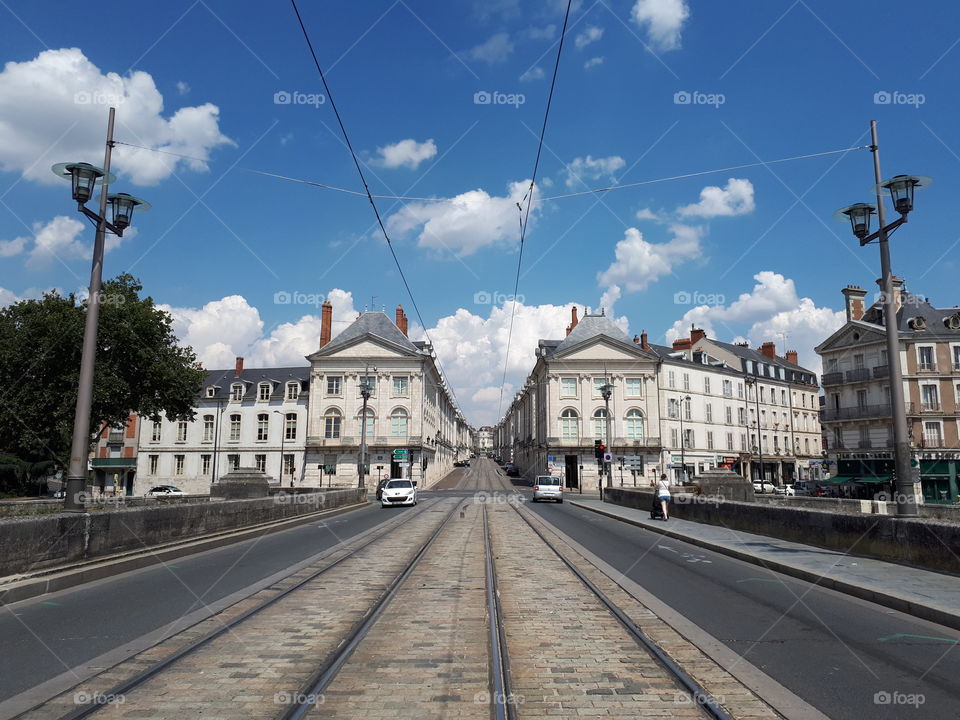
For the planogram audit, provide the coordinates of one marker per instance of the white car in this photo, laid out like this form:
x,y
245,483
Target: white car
x,y
398,491
547,487
165,491
763,487
787,490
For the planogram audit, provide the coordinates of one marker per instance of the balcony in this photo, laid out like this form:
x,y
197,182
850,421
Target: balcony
x,y
864,444
881,371
832,378
927,367
933,406
858,375
858,412
113,462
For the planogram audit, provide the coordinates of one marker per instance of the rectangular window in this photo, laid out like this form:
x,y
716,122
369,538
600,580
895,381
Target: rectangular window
x,y
688,439
740,390
293,390
208,428
687,411
709,412
264,391
401,386
706,385
233,461
783,397
929,397
178,461
334,385
728,388
205,464
728,415
288,467
234,427
263,427
673,408
236,391
729,441
686,381
371,383
671,379
709,441
925,358
598,384
634,387
155,432
181,431
261,462
742,416
568,387
956,357
290,429
673,437
154,461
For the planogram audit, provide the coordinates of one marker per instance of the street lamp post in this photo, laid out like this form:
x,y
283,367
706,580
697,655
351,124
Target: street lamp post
x,y
683,440
901,190
83,179
365,392
283,437
606,390
752,384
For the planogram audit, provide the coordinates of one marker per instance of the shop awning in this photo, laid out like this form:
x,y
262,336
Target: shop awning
x,y
874,479
837,479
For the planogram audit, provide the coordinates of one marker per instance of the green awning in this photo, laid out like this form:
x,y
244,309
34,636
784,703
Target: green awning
x,y
874,479
837,479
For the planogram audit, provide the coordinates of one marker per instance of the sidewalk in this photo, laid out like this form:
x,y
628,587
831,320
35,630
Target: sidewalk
x,y
924,594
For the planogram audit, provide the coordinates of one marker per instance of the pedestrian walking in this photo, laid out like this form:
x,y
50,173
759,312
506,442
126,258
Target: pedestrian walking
x,y
663,495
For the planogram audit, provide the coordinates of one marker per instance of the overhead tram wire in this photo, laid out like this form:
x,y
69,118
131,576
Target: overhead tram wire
x,y
563,196
525,216
366,187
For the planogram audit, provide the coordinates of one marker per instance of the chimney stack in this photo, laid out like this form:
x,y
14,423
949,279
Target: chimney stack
x,y
239,367
573,321
643,340
326,322
681,344
853,297
636,339
792,357
769,349
401,319
696,334
897,284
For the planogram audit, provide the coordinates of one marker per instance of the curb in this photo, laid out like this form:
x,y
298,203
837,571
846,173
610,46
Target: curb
x,y
932,613
53,579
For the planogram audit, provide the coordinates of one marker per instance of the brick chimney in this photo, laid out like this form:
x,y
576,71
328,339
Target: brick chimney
x,y
792,357
643,340
326,322
636,339
401,319
681,344
697,334
769,349
239,367
853,296
897,292
573,320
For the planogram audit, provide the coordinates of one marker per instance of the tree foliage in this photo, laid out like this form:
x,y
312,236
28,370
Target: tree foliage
x,y
140,368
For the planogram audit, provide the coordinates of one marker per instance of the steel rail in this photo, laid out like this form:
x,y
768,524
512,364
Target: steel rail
x,y
501,696
126,686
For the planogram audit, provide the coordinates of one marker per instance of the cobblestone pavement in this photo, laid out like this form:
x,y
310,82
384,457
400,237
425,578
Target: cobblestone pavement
x,y
244,673
427,656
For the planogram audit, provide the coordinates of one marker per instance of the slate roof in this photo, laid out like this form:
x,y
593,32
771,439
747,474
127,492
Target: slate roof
x,y
665,352
588,327
372,323
251,377
913,306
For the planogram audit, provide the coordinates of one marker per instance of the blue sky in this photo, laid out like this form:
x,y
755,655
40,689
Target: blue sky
x,y
757,256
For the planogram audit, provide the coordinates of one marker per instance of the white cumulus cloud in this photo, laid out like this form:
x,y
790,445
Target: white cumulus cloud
x,y
496,49
591,168
734,198
591,34
406,153
639,263
593,62
663,20
53,108
465,223
58,239
9,248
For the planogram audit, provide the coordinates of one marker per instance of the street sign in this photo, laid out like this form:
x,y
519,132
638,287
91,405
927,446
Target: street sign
x,y
633,461
404,463
549,458
401,454
607,457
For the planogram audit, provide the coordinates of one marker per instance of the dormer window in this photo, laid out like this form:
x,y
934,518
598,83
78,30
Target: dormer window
x,y
263,391
211,391
293,390
236,391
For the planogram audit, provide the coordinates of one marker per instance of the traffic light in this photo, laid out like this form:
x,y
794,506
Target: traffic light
x,y
599,449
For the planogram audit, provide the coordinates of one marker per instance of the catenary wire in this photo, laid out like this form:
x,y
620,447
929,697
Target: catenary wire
x,y
528,198
373,204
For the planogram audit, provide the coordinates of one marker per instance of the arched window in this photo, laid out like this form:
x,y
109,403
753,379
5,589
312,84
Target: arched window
x,y
398,423
600,424
569,425
263,426
634,421
331,423
371,424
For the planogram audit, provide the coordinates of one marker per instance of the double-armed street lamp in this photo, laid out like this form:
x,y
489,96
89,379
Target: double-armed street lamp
x,y
751,383
283,437
606,390
683,439
901,189
366,390
83,180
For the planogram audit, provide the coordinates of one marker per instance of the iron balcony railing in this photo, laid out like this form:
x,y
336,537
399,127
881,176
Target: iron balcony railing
x,y
857,412
858,375
832,378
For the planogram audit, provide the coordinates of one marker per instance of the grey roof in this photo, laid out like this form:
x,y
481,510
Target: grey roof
x,y
666,352
747,353
223,379
913,306
590,326
371,323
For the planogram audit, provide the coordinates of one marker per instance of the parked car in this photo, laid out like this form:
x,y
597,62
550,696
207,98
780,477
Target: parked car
x,y
380,485
763,487
399,491
803,487
165,491
787,490
547,487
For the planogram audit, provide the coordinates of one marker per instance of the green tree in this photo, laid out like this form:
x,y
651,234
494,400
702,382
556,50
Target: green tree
x,y
140,368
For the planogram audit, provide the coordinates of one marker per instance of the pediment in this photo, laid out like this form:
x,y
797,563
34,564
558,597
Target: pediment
x,y
602,348
367,346
853,334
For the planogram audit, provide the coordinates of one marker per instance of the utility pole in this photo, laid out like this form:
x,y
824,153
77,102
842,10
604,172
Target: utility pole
x,y
365,392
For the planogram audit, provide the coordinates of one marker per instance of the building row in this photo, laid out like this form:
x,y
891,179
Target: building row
x,y
697,405
303,426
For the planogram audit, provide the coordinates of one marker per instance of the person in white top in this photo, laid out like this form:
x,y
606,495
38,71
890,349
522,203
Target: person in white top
x,y
663,495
